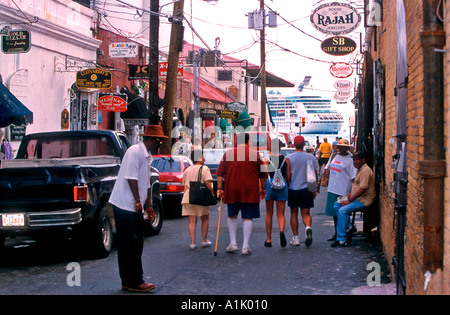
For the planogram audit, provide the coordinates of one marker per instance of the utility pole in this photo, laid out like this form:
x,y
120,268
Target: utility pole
x,y
153,97
263,68
172,69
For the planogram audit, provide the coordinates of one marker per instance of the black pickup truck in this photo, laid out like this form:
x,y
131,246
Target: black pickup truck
x,y
62,181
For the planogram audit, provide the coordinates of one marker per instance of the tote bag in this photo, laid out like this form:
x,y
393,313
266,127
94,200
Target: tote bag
x,y
311,177
199,194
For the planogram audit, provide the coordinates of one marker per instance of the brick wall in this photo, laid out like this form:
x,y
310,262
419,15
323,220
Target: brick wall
x,y
386,38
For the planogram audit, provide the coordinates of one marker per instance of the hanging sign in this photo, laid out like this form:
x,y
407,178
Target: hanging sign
x,y
341,70
335,18
16,41
228,114
94,78
338,46
162,72
122,50
112,102
236,106
343,85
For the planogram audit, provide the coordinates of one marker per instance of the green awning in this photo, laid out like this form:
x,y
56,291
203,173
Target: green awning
x,y
223,124
12,111
244,120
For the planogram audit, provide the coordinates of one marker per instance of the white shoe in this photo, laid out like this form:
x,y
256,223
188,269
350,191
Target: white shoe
x,y
206,244
232,248
295,241
192,246
246,251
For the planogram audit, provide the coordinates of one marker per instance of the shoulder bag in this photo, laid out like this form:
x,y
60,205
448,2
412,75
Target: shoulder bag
x,y
199,194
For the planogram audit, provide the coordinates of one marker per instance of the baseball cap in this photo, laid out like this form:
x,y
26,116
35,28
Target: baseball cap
x,y
359,154
299,140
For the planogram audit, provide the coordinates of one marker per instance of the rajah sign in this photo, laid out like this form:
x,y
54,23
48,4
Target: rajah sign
x,y
335,18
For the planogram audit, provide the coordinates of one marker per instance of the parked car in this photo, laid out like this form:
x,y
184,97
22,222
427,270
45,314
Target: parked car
x,y
171,169
212,160
61,180
307,148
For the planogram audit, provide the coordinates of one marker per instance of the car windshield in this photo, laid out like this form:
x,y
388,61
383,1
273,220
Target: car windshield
x,y
166,164
69,147
213,156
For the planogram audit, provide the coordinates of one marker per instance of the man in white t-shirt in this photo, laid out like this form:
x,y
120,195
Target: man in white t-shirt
x,y
130,192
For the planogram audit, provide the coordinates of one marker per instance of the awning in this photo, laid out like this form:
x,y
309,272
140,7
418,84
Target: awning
x,y
223,124
12,111
244,120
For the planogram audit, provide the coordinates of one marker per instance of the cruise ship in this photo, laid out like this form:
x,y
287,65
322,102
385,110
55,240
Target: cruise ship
x,y
320,115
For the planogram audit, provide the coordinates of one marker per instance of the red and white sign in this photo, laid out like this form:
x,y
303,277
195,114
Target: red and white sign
x,y
341,70
342,95
343,85
163,70
112,103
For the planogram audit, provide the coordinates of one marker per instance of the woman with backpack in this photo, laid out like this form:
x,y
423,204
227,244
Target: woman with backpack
x,y
277,192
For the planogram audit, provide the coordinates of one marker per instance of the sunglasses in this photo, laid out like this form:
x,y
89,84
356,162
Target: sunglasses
x,y
158,140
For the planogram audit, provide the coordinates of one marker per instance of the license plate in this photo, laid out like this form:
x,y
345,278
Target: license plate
x,y
13,220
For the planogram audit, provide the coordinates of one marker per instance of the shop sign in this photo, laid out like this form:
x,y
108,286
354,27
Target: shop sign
x,y
342,95
335,18
236,106
228,114
122,50
343,85
137,72
341,70
112,102
16,42
338,46
65,121
94,78
162,71
207,112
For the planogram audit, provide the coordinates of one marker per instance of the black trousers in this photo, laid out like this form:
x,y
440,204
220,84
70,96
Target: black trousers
x,y
130,243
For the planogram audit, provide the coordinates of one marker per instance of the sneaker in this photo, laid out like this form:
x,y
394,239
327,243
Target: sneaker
x,y
192,246
144,287
295,241
340,244
246,251
283,242
309,239
206,244
232,248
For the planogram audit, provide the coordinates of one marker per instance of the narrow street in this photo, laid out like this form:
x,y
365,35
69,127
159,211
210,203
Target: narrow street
x,y
176,270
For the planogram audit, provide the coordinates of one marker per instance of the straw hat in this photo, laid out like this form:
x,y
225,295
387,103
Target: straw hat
x,y
154,131
344,143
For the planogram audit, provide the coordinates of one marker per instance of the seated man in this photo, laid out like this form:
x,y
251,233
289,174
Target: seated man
x,y
361,196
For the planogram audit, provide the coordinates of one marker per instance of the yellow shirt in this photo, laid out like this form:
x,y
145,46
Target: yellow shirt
x,y
325,149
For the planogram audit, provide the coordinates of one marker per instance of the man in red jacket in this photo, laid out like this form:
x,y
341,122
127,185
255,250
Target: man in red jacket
x,y
241,181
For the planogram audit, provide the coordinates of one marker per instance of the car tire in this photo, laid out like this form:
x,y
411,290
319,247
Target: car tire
x,y
154,227
103,231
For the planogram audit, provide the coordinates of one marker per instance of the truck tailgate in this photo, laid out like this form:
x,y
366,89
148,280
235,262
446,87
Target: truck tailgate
x,y
36,188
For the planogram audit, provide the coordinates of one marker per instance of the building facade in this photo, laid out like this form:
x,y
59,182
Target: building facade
x,y
403,107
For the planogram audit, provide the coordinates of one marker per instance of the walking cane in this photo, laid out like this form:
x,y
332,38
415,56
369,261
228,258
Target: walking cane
x,y
218,226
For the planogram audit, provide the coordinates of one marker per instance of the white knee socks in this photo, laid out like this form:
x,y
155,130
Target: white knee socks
x,y
232,230
248,227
